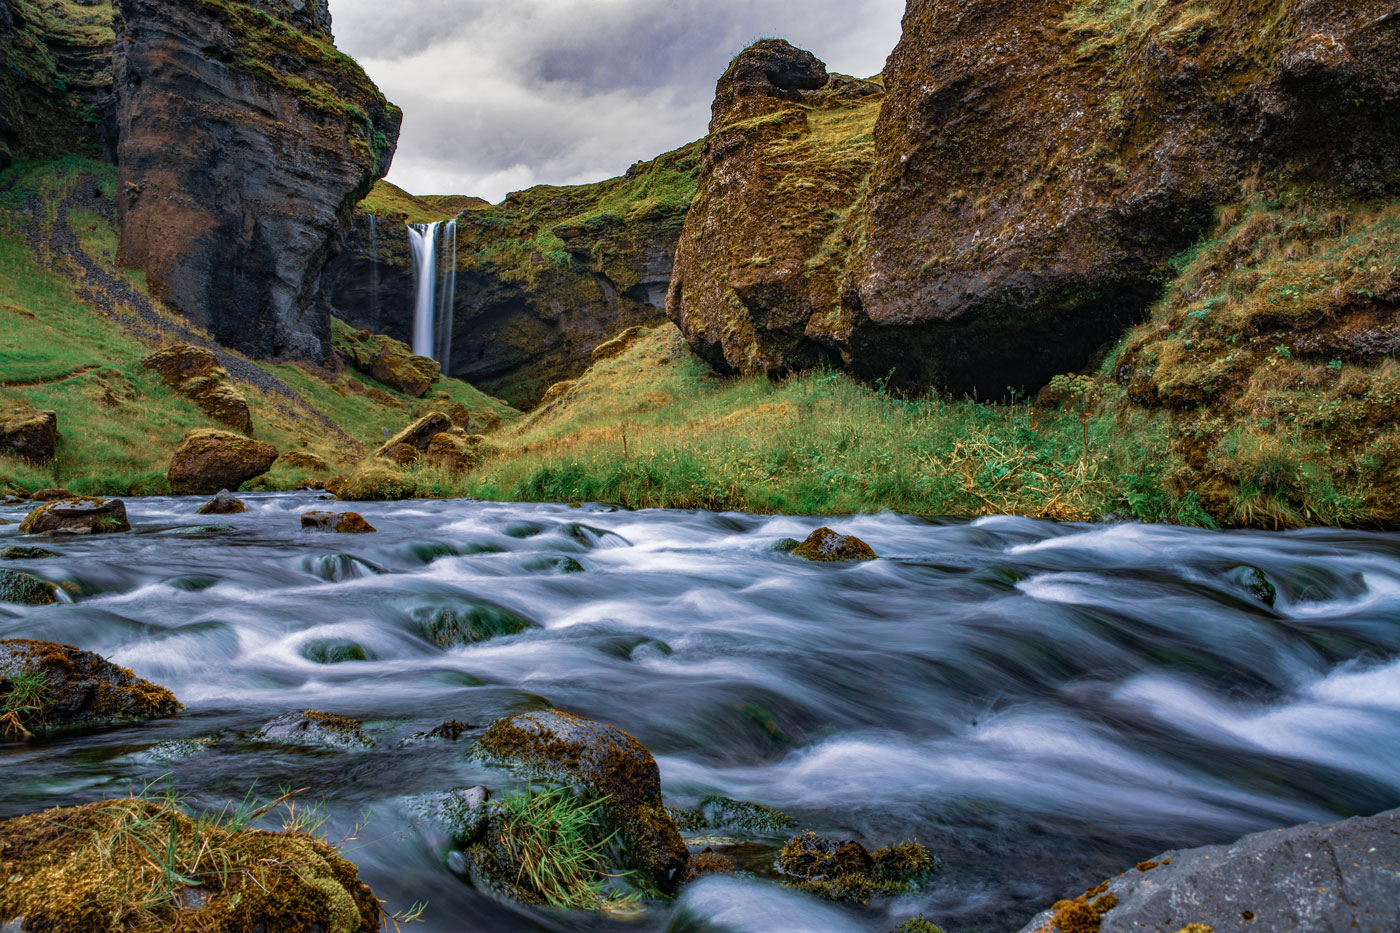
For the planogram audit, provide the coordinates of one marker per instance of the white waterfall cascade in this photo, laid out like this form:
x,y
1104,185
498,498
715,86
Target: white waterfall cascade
x,y
435,267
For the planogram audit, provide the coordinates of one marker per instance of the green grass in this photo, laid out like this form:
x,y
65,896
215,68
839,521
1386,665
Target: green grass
x,y
25,704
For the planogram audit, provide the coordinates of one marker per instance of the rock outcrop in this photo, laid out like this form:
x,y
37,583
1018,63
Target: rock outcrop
x,y
209,461
61,685
28,433
1317,878
77,516
417,435
389,361
246,139
542,278
195,373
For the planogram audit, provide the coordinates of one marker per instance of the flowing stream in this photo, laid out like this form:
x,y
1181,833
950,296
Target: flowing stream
x,y
1042,705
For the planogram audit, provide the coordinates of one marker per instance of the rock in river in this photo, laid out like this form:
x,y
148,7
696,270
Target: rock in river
x,y
346,523
208,461
826,546
79,516
46,685
225,503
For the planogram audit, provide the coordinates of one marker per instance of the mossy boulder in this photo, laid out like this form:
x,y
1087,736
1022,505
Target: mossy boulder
x,y
455,450
87,870
418,434
389,361
827,546
195,373
617,345
604,763
315,729
207,461
26,432
455,626
50,494
374,480
66,686
346,523
21,588
77,516
20,552
224,503
304,460
844,870
333,651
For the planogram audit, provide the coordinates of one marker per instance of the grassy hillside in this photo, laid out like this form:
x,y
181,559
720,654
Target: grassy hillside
x,y
72,340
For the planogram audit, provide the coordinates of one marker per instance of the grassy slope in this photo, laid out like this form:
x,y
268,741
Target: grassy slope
x,y
118,420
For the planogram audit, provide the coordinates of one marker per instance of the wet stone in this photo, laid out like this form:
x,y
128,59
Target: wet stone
x,y
315,729
346,523
333,651
826,546
459,816
453,627
77,516
1256,583
17,552
225,503
25,590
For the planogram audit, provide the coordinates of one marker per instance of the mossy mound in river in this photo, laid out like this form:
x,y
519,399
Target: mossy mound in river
x,y
135,864
843,870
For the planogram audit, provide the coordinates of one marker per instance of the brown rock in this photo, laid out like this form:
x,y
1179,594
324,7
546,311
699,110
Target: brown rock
x,y
389,361
826,546
708,862
455,450
26,432
418,434
346,523
304,460
81,688
195,373
208,461
50,495
401,455
77,516
618,345
225,503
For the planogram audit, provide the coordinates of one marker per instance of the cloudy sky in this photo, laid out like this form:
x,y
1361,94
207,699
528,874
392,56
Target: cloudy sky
x,y
500,95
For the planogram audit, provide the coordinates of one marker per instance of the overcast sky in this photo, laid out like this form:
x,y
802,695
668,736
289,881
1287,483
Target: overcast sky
x,y
499,95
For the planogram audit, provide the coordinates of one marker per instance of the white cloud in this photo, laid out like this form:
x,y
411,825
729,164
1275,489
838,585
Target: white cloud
x,y
503,94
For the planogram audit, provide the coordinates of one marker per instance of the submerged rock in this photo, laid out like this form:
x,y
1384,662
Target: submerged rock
x,y
844,870
333,651
346,523
72,870
314,729
605,764
44,685
207,461
225,503
195,373
26,432
826,546
1315,878
21,588
452,627
79,516
743,815
459,816
17,552
1256,583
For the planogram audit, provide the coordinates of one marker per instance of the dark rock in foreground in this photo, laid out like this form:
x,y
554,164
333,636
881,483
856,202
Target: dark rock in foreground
x,y
604,762
1316,878
46,685
78,516
826,546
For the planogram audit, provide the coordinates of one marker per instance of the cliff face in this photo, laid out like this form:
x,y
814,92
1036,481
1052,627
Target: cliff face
x,y
784,171
246,139
542,278
1034,168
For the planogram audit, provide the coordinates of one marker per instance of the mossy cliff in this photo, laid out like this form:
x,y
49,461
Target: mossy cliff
x,y
247,138
542,278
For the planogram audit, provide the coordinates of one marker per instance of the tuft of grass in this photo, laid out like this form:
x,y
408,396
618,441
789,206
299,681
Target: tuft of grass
x,y
25,703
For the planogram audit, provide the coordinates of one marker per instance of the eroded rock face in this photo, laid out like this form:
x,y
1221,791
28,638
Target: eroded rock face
x,y
603,761
209,461
389,361
77,516
245,144
28,433
419,434
79,687
1317,878
195,373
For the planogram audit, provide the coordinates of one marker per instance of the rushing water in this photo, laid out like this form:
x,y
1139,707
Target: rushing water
x,y
1041,704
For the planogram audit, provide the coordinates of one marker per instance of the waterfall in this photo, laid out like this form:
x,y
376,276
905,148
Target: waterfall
x,y
432,308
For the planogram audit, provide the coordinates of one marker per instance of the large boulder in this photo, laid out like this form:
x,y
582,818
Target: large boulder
x,y
389,361
604,763
418,434
195,373
209,461
455,450
1317,878
47,686
77,516
238,178
26,432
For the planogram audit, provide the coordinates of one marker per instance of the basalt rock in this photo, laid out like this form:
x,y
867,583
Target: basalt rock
x,y
76,688
604,763
26,432
195,373
77,516
208,461
1316,878
246,140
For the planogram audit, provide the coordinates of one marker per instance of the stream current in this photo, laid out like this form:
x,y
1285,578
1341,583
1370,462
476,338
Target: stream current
x,y
1043,705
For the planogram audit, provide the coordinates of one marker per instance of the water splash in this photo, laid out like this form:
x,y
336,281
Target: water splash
x,y
432,308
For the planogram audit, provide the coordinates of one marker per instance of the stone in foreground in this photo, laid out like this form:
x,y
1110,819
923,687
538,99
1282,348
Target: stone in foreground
x,y
74,687
315,729
826,546
604,762
346,523
1316,878
79,516
225,503
208,461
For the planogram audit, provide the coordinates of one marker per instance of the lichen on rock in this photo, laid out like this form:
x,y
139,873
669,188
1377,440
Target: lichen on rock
x,y
74,687
207,461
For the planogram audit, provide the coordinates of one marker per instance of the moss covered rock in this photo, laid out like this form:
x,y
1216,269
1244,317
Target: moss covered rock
x,y
827,546
467,624
606,764
389,361
456,450
418,434
77,516
86,870
346,523
224,503
45,686
26,590
315,729
844,870
304,460
374,480
195,373
26,432
207,461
